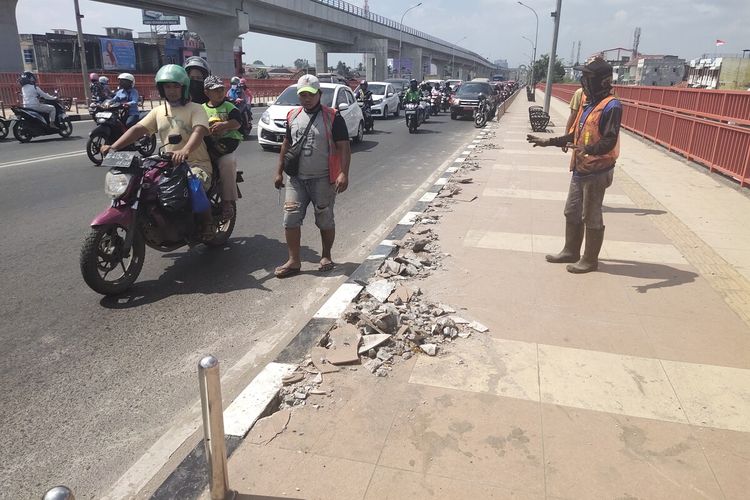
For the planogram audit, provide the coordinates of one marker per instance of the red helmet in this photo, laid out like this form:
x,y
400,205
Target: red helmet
x,y
242,81
93,77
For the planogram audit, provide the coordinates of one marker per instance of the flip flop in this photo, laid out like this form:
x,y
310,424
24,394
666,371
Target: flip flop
x,y
285,272
324,268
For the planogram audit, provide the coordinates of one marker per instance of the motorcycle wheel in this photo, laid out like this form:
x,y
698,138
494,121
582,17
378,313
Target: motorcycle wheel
x,y
223,228
3,129
101,255
480,120
66,128
146,145
21,133
94,148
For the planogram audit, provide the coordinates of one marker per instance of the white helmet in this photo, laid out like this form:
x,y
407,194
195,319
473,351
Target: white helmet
x,y
103,80
126,76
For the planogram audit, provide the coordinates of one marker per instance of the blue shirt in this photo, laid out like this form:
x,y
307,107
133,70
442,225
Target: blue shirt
x,y
129,96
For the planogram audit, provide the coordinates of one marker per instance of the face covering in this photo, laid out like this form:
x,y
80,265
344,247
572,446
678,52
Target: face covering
x,y
197,93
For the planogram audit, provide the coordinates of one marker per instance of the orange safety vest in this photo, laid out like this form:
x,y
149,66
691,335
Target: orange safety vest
x,y
588,133
334,159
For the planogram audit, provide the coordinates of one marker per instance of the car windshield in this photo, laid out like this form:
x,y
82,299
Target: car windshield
x,y
289,97
472,88
376,88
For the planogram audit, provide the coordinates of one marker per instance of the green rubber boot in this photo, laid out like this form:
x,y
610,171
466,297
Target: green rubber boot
x,y
571,252
590,260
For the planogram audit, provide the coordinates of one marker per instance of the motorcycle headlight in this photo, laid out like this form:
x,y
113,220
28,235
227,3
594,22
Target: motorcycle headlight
x,y
265,118
116,183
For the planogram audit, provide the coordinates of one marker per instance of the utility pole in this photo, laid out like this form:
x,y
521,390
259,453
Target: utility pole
x,y
82,52
551,67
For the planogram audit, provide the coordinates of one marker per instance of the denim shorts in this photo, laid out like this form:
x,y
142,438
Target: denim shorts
x,y
300,193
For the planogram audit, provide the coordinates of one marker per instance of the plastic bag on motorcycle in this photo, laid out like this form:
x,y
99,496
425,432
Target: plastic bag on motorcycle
x,y
174,194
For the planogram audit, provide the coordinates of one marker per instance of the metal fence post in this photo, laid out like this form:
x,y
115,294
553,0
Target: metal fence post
x,y
213,428
59,493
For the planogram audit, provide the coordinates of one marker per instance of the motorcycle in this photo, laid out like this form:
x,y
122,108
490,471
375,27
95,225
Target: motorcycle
x,y
481,113
247,116
150,206
435,101
414,116
445,104
366,105
31,123
4,128
110,117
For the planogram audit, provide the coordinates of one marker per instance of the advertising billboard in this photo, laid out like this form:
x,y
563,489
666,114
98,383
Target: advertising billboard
x,y
117,54
156,18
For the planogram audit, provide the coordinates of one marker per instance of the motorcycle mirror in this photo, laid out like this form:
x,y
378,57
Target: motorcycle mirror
x,y
390,94
343,106
174,139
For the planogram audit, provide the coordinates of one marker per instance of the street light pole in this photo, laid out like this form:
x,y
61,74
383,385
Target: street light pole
x,y
401,36
532,57
536,38
551,67
82,51
453,56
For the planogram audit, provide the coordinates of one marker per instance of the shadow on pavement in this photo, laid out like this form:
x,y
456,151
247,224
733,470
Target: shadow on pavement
x,y
668,276
365,145
421,130
635,211
210,271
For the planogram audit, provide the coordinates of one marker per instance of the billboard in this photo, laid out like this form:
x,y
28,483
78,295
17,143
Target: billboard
x,y
156,18
117,54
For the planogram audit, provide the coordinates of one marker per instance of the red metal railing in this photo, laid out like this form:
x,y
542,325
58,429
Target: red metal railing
x,y
711,127
69,85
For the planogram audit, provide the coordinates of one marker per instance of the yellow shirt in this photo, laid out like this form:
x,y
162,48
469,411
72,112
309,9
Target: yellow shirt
x,y
167,120
575,101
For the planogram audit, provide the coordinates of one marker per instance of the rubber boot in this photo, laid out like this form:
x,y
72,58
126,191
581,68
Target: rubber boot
x,y
590,260
571,252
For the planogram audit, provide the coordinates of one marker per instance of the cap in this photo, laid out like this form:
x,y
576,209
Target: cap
x,y
597,66
213,82
308,83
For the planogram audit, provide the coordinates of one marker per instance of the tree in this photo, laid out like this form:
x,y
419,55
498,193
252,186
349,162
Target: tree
x,y
262,74
541,66
343,69
301,63
258,62
360,67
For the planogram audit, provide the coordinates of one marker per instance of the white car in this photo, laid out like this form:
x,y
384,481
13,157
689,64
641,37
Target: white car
x,y
272,124
385,99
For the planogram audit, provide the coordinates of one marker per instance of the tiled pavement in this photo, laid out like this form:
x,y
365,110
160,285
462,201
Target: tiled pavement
x,y
631,382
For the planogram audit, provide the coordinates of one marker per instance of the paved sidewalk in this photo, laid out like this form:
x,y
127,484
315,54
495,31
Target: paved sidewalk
x,y
631,382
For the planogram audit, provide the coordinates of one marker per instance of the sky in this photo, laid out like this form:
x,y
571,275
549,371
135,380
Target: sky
x,y
493,28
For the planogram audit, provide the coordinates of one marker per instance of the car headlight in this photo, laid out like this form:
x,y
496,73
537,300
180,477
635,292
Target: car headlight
x,y
377,101
265,118
116,183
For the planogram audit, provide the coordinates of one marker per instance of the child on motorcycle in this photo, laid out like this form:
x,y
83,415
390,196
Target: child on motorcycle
x,y
177,116
224,122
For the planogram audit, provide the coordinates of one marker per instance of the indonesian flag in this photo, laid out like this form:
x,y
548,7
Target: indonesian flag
x,y
719,43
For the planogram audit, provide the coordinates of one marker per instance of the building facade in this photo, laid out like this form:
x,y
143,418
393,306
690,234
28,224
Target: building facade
x,y
730,72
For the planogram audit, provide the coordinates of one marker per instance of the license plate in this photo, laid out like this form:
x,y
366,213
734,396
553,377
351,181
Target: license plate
x,y
119,159
411,112
104,114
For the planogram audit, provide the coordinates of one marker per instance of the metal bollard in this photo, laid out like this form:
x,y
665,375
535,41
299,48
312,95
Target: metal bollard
x,y
59,493
213,428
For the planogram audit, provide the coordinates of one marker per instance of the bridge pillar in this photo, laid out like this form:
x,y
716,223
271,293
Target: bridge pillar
x,y
462,73
417,61
10,56
321,58
376,62
219,34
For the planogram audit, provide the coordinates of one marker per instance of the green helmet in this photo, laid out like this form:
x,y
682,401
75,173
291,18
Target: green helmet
x,y
173,73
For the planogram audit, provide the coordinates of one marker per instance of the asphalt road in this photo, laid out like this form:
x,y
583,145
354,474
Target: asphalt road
x,y
89,384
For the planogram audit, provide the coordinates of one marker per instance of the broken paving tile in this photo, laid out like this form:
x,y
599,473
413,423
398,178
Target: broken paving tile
x,y
420,245
372,341
266,429
318,379
344,345
292,378
321,363
372,365
380,289
459,320
465,198
476,325
401,292
429,349
317,392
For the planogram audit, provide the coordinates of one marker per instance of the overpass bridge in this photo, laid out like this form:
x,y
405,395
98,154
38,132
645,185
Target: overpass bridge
x,y
333,25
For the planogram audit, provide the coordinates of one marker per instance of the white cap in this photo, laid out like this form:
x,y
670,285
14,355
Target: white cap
x,y
308,83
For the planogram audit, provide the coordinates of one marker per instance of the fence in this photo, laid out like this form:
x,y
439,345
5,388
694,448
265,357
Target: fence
x,y
710,127
69,85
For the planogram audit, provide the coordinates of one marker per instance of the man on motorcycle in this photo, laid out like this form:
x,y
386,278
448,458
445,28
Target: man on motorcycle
x,y
414,95
247,91
126,93
197,70
362,94
177,116
31,94
238,96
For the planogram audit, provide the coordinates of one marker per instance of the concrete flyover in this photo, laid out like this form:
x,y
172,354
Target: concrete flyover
x,y
334,25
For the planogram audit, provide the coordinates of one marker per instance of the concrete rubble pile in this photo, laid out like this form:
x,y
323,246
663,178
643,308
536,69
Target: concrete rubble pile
x,y
391,321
